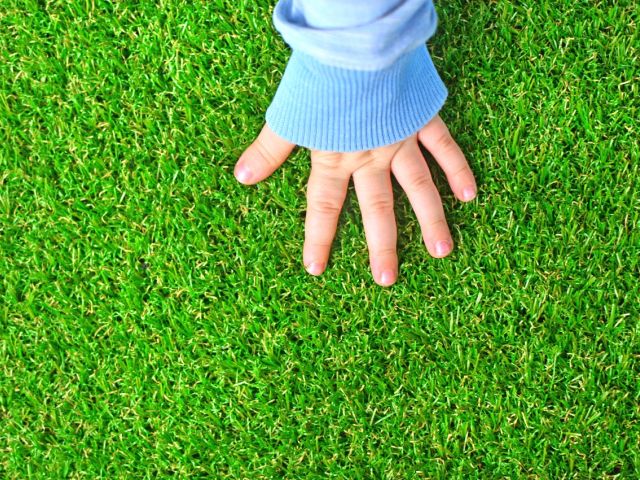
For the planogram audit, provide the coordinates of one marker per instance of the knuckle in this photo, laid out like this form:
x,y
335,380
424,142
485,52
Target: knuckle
x,y
384,252
370,161
326,159
464,170
312,245
324,206
265,153
421,182
446,141
437,223
380,205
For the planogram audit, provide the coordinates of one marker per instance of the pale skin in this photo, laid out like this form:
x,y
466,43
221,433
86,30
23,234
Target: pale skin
x,y
371,171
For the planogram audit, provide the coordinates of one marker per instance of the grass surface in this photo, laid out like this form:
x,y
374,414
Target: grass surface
x,y
155,318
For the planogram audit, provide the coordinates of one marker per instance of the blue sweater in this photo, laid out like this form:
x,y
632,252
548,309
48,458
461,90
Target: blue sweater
x,y
360,75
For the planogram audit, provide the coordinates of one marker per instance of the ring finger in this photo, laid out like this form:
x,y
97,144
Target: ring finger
x,y
411,170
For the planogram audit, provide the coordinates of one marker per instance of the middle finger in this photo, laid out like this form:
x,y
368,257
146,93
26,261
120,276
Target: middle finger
x,y
375,196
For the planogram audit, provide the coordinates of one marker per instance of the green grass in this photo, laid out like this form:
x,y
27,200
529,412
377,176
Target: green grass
x,y
155,318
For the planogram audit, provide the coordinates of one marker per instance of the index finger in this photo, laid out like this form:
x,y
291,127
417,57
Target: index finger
x,y
326,191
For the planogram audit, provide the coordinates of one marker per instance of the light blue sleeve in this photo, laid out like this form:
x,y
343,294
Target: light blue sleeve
x,y
360,75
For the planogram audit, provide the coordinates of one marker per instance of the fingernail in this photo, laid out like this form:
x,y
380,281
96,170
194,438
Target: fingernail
x,y
468,193
243,174
315,268
442,248
386,278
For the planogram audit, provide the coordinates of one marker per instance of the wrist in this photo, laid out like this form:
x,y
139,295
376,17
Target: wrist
x,y
324,107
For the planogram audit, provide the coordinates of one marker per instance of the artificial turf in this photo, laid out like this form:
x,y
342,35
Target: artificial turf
x,y
155,317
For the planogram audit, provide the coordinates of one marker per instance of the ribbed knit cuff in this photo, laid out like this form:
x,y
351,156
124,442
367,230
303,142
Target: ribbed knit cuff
x,y
323,107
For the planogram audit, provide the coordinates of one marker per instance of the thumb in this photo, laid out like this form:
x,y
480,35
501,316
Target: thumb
x,y
262,157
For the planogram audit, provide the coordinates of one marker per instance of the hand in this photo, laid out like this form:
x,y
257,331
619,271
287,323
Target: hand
x,y
371,171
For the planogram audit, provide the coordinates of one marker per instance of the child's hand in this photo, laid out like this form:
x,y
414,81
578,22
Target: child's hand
x,y
329,179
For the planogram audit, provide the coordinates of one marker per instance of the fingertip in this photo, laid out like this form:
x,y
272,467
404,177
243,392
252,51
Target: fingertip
x,y
387,278
316,268
441,249
468,193
242,173
384,271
